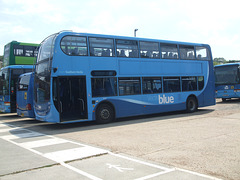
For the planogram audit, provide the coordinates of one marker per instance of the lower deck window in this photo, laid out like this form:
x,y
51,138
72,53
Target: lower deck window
x,y
129,86
104,87
152,85
171,84
189,83
200,82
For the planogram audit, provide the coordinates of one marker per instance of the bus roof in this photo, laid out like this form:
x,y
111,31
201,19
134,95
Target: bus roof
x,y
65,33
27,74
18,67
228,64
23,43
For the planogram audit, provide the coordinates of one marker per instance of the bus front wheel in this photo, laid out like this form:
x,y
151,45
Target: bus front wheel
x,y
104,114
192,104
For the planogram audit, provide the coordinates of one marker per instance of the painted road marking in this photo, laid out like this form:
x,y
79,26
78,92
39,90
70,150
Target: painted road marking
x,y
84,151
119,168
73,154
43,142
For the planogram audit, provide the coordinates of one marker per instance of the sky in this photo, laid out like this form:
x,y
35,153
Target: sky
x,y
213,22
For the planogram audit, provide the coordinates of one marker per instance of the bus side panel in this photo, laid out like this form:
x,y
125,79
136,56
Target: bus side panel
x,y
209,91
164,68
5,104
228,91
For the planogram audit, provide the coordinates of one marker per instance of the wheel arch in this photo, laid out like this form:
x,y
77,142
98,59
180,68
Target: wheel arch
x,y
104,102
193,96
196,100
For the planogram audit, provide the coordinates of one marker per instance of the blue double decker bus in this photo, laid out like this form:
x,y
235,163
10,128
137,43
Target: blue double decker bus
x,y
85,77
227,81
25,95
8,86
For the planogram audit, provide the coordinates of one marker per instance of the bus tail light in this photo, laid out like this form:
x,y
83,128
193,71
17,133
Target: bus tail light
x,y
28,107
17,106
7,103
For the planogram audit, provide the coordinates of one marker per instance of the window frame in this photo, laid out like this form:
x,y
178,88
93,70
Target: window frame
x,y
152,89
162,45
113,47
153,42
183,46
68,54
127,49
128,80
172,78
100,89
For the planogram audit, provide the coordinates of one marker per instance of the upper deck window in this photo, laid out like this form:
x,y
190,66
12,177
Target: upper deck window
x,y
28,51
187,52
169,51
46,49
202,53
149,49
18,50
127,48
101,47
74,45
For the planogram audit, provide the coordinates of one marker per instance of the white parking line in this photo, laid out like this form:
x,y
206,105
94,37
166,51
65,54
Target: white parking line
x,y
80,171
21,135
84,151
141,162
156,174
43,142
7,129
73,154
198,174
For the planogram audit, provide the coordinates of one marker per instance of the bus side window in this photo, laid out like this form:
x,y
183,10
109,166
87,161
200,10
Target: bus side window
x,y
149,49
152,85
171,84
101,47
200,82
189,83
74,45
202,53
104,87
169,51
187,52
127,48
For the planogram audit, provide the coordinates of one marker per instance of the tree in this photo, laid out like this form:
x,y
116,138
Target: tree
x,y
1,61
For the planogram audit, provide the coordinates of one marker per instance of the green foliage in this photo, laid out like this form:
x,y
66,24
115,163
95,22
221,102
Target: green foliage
x,y
221,60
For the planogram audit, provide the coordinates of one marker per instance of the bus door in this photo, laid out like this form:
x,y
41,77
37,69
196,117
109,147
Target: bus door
x,y
72,98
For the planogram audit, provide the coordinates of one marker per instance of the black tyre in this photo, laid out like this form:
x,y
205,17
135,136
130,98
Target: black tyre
x,y
104,114
192,104
224,99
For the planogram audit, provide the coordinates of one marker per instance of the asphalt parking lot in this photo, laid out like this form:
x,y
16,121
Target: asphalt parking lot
x,y
202,145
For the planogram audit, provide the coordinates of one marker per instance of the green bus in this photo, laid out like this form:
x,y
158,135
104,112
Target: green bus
x,y
19,53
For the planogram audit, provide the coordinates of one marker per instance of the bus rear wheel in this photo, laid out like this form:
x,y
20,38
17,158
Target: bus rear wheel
x,y
192,104
104,114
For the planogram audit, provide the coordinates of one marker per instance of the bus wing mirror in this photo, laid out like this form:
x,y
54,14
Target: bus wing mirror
x,y
55,70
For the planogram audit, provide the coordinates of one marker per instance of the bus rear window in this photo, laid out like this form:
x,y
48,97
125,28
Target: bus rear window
x,y
23,83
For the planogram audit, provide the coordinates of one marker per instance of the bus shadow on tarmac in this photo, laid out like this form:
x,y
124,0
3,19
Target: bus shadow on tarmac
x,y
53,128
